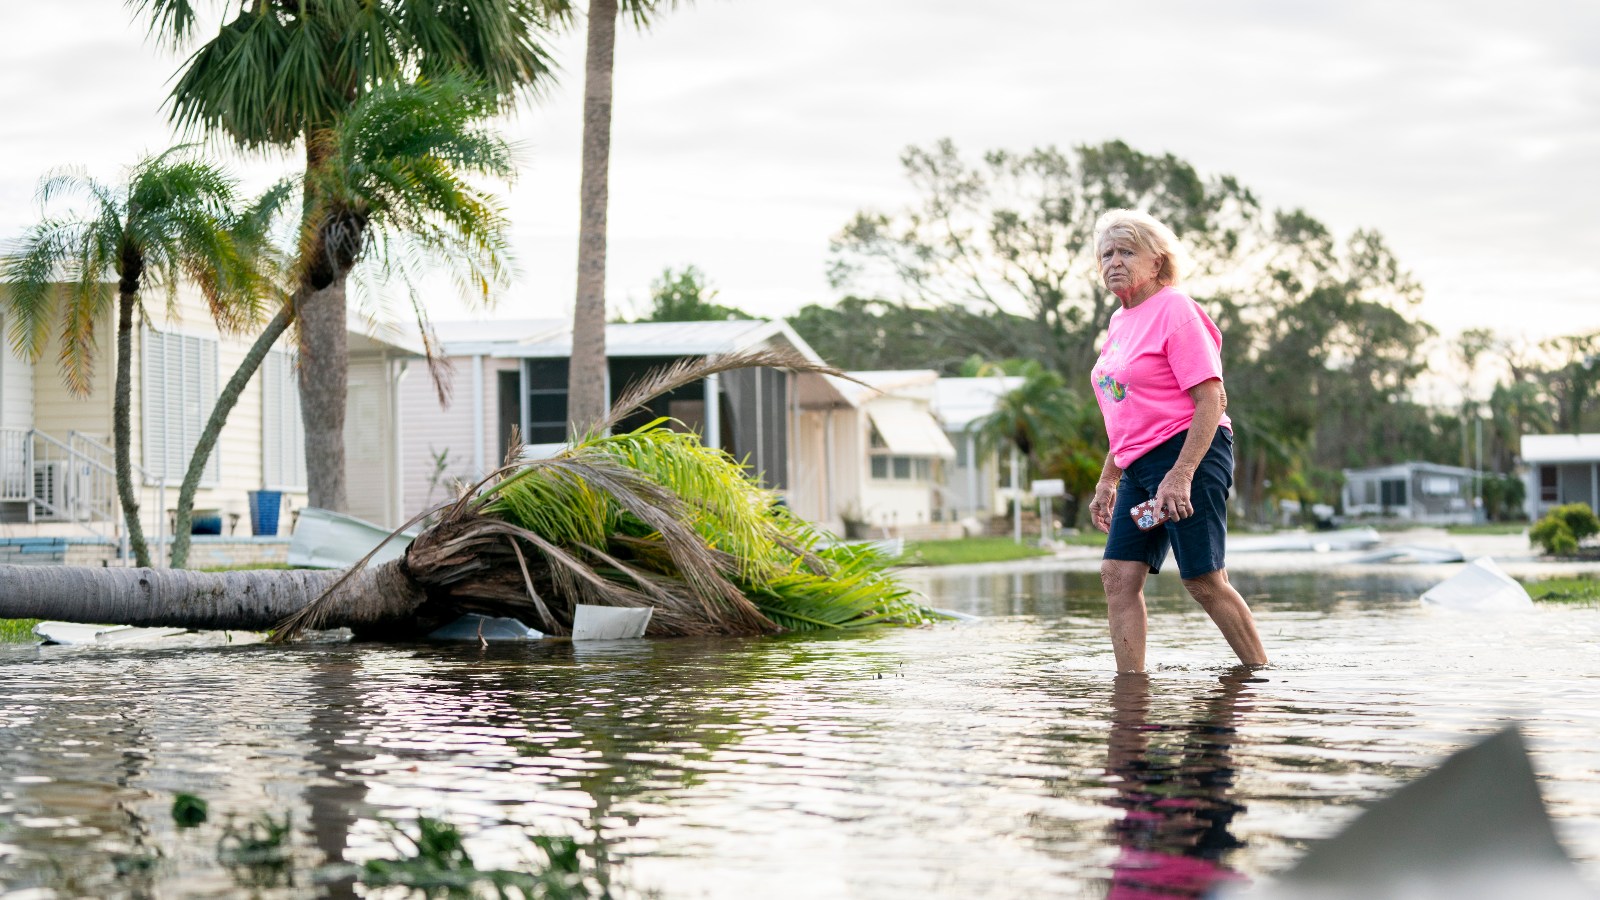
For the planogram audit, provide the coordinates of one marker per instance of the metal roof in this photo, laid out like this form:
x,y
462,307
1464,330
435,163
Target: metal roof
x,y
1559,448
958,402
664,339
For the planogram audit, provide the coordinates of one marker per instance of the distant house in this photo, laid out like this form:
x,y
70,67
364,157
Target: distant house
x,y
905,450
1422,492
512,376
1560,469
56,466
971,485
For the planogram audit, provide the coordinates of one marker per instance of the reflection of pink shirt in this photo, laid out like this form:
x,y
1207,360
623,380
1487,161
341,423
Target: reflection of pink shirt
x,y
1153,354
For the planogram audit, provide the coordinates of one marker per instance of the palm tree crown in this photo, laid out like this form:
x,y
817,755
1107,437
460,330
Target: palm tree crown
x,y
173,219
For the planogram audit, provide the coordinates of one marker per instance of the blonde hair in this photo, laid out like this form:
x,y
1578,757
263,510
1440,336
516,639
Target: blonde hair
x,y
1149,235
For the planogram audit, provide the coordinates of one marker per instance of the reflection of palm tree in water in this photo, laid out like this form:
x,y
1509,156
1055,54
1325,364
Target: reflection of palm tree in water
x,y
1174,831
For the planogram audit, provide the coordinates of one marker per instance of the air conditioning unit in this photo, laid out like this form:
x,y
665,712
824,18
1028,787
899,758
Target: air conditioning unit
x,y
52,489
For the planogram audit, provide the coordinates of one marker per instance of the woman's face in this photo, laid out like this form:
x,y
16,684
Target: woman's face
x,y
1127,269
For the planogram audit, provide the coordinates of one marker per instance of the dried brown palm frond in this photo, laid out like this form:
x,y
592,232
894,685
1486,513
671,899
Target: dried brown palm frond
x,y
687,371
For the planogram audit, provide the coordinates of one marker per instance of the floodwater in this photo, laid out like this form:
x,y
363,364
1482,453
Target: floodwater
x,y
991,758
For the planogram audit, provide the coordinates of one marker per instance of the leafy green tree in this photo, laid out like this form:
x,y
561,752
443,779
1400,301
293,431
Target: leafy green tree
x,y
284,74
170,221
586,378
401,162
879,334
687,296
1573,378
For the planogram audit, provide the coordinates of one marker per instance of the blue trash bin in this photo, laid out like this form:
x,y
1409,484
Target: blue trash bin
x,y
264,507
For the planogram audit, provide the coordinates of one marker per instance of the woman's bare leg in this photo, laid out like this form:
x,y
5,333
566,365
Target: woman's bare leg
x,y
1227,608
1124,583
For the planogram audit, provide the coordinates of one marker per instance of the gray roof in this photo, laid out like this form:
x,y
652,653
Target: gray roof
x,y
958,402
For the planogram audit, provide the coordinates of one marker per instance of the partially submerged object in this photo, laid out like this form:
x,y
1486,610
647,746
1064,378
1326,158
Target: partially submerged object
x,y
1480,585
324,539
475,627
608,623
1303,541
78,634
1412,553
1475,828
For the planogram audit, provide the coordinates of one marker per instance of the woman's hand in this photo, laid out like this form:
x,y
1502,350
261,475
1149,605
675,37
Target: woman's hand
x,y
1105,500
1173,495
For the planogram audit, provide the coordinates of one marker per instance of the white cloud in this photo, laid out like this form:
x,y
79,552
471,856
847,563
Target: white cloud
x,y
748,131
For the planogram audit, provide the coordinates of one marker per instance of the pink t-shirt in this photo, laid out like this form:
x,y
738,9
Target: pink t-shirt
x,y
1153,354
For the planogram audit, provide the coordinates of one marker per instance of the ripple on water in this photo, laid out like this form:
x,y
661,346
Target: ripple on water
x,y
992,758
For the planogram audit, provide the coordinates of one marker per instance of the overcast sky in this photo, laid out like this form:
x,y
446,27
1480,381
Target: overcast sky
x,y
747,132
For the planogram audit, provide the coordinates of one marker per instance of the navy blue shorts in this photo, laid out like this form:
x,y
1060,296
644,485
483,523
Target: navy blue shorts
x,y
1198,541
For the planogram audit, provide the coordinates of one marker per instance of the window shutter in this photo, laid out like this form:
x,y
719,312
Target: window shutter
x,y
180,390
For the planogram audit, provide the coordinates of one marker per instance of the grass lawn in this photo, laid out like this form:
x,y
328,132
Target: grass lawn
x,y
17,631
968,550
1581,589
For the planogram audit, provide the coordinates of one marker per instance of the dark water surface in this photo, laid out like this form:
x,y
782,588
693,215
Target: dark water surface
x,y
993,758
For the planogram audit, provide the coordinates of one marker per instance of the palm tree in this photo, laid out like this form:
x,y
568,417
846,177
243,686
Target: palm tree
x,y
281,74
1057,430
586,378
397,163
168,222
651,517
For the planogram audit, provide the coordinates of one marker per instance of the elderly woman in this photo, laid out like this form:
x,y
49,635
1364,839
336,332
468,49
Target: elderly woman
x,y
1166,479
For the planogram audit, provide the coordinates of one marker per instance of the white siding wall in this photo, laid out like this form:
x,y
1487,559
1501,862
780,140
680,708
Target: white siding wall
x,y
430,430
16,386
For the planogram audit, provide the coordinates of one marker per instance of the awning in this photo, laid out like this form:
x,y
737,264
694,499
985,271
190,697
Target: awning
x,y
910,432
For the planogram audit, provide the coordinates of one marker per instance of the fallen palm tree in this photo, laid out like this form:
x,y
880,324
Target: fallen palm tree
x,y
651,518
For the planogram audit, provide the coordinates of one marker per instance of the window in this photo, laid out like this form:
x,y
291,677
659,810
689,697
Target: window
x,y
547,401
1440,486
1393,492
902,468
179,388
1549,485
283,443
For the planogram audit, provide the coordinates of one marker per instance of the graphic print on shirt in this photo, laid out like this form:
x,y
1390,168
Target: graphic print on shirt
x,y
1105,374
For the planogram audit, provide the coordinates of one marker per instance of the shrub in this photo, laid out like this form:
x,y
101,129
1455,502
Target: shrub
x,y
1559,532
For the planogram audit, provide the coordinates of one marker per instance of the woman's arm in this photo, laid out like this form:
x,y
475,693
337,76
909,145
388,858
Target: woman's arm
x,y
1209,401
1105,495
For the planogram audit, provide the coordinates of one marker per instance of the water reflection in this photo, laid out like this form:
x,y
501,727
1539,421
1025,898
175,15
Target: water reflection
x,y
1174,784
991,758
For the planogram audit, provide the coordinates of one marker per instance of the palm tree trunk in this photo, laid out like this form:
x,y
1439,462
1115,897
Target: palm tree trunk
x,y
586,379
122,423
319,300
378,597
324,377
219,416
